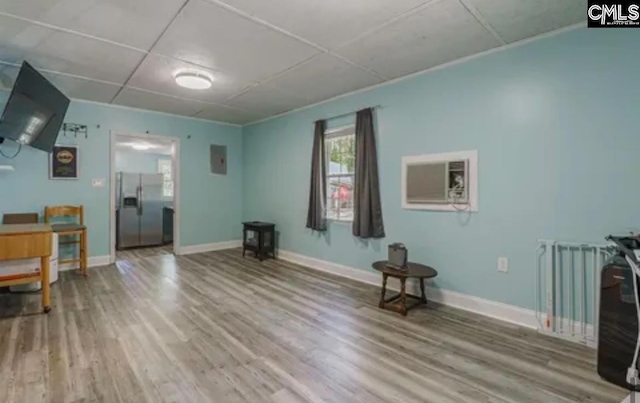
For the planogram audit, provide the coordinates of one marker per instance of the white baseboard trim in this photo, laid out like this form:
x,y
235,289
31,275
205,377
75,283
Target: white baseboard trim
x,y
497,310
92,261
209,247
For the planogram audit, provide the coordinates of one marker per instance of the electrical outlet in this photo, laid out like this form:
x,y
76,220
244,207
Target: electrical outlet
x,y
503,264
97,182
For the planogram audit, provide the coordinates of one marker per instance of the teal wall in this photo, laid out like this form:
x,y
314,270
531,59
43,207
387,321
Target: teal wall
x,y
138,162
555,123
210,211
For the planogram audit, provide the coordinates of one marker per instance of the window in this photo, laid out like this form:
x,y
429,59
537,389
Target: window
x,y
165,168
444,182
340,146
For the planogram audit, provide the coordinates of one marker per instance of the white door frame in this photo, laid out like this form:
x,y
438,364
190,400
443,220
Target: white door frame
x,y
175,162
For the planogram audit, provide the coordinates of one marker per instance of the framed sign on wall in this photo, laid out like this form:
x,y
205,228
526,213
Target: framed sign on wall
x,y
64,162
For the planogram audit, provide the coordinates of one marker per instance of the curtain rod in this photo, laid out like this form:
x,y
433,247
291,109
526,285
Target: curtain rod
x,y
351,113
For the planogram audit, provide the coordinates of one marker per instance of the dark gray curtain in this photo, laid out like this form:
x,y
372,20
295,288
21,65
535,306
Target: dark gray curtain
x,y
316,215
367,214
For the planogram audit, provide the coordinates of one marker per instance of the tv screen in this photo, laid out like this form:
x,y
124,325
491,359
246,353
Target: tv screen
x,y
34,112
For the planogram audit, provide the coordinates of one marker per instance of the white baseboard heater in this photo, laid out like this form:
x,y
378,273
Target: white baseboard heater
x,y
568,288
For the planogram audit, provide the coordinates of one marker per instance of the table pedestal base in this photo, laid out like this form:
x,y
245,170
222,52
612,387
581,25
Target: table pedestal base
x,y
401,306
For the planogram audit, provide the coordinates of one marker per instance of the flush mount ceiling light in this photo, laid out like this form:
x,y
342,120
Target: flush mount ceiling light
x,y
140,146
193,80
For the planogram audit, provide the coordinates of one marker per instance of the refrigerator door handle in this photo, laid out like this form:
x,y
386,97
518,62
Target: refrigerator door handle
x,y
139,194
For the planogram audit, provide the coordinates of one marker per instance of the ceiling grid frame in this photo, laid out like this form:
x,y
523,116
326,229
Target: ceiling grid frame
x,y
292,35
151,48
269,81
480,18
71,31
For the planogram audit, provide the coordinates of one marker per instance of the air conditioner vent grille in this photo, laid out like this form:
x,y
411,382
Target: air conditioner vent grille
x,y
441,182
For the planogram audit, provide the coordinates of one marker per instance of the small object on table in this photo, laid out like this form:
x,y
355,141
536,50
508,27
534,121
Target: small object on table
x,y
24,241
397,256
259,237
413,270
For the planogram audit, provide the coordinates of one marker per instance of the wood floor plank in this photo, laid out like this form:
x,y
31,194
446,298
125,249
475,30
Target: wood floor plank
x,y
216,327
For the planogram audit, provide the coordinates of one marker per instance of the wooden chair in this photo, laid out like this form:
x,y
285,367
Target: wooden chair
x,y
70,229
20,218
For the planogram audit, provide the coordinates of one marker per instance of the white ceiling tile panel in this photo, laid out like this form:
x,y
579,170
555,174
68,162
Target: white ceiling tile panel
x,y
328,23
230,115
323,77
157,73
78,88
72,87
135,23
441,32
266,100
392,38
211,36
145,100
514,20
66,53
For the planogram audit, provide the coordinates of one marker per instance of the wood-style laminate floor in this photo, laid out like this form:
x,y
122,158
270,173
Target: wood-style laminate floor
x,y
139,253
215,327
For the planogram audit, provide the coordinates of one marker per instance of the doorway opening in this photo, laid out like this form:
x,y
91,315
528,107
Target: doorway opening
x,y
144,196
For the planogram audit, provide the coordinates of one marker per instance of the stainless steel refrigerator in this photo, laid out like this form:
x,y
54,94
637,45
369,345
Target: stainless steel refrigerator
x,y
139,210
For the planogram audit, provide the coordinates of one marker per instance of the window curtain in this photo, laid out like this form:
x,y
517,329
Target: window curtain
x,y
367,214
316,215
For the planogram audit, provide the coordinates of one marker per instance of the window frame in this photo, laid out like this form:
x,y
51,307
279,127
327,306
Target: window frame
x,y
168,161
332,134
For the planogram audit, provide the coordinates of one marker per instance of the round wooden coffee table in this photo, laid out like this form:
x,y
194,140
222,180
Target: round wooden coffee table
x,y
413,270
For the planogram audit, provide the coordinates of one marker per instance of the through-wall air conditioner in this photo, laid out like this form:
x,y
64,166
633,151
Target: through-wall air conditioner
x,y
445,182
437,182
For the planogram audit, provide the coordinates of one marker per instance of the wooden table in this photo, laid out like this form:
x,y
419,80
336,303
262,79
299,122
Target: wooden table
x,y
413,270
26,241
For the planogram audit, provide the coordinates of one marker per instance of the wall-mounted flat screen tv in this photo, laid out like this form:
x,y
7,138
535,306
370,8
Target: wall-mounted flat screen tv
x,y
34,112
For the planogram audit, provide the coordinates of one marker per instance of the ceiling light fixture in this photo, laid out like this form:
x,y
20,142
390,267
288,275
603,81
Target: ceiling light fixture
x,y
141,147
193,80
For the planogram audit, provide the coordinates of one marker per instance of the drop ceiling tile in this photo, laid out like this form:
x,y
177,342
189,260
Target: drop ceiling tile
x,y
157,73
229,115
72,87
439,33
328,22
267,100
323,77
135,23
66,53
211,36
79,88
145,100
514,20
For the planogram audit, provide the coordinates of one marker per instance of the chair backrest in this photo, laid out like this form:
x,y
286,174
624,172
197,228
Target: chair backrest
x,y
20,218
63,211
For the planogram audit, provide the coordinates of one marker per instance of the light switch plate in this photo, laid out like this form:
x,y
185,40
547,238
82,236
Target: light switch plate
x,y
503,264
97,182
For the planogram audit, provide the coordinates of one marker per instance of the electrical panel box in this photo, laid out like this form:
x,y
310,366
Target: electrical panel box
x,y
218,159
